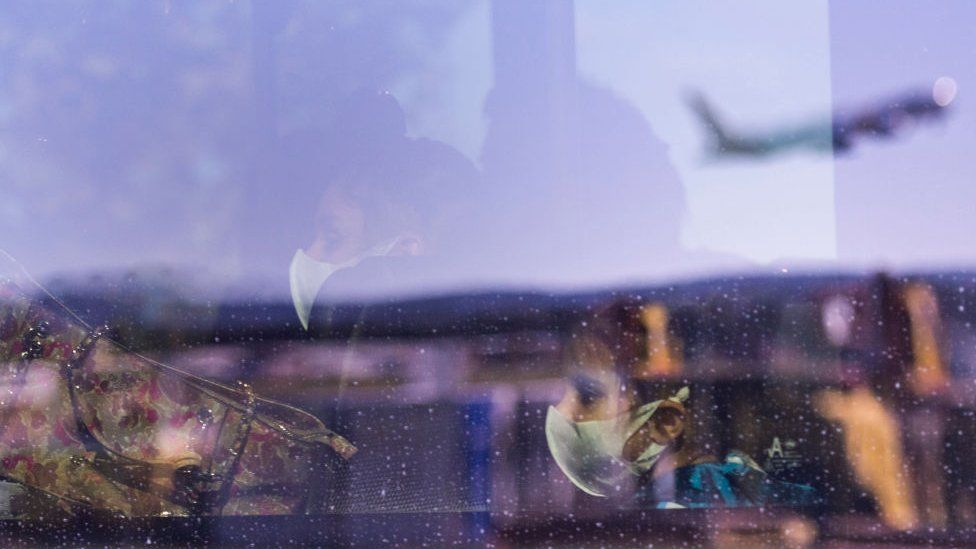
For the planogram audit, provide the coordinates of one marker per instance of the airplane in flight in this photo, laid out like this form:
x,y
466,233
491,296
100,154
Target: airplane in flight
x,y
839,135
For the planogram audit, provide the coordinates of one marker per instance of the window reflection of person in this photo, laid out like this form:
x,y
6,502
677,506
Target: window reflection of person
x,y
351,224
378,198
385,218
341,231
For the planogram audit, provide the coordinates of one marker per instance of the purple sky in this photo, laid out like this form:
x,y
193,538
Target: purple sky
x,y
130,138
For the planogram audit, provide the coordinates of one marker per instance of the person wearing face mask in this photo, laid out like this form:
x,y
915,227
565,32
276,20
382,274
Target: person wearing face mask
x,y
346,236
387,218
617,436
386,222
647,450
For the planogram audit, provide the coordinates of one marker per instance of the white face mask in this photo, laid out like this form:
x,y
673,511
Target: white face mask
x,y
601,435
585,452
590,453
306,276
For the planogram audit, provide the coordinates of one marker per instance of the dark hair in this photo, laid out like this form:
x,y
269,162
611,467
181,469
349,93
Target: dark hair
x,y
615,331
401,183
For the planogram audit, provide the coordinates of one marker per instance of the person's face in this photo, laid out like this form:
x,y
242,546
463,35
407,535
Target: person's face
x,y
340,225
350,222
596,363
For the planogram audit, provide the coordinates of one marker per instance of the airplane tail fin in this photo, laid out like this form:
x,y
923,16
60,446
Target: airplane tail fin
x,y
721,139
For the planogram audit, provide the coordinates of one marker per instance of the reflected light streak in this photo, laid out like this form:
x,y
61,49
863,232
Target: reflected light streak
x,y
944,91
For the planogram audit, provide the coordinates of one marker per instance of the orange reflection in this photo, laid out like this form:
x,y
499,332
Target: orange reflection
x,y
663,351
872,444
928,374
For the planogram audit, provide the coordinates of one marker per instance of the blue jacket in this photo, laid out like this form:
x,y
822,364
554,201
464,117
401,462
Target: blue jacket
x,y
736,482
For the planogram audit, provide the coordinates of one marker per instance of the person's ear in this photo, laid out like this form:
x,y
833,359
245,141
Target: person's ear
x,y
669,424
664,427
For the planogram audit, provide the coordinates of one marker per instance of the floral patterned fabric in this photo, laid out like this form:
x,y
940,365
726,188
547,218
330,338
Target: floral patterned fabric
x,y
137,423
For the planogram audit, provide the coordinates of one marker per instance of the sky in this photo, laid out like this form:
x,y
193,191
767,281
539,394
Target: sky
x,y
763,64
129,139
770,66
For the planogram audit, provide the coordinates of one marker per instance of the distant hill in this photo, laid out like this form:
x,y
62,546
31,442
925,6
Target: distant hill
x,y
150,302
